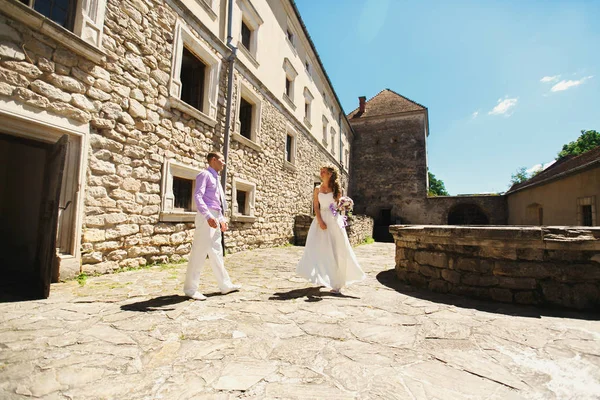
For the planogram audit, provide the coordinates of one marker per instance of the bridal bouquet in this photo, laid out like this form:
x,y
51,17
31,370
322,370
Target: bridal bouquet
x,y
344,206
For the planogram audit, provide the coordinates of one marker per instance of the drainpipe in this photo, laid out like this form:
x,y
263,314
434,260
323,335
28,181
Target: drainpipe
x,y
231,60
340,144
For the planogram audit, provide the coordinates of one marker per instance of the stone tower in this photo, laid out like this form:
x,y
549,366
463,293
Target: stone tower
x,y
389,160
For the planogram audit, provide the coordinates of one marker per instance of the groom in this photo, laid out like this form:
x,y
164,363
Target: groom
x,y
210,222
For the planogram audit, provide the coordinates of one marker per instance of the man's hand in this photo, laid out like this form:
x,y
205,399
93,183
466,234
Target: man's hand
x,y
212,222
223,226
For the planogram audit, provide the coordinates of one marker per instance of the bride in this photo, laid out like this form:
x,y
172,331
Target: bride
x,y
328,258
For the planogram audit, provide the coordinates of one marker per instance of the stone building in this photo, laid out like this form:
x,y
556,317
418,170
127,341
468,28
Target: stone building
x,y
389,170
563,194
124,99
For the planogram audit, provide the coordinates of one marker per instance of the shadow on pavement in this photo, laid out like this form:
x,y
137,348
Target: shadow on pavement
x,y
312,294
156,304
388,278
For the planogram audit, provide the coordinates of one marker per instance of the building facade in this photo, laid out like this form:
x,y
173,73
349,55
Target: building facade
x,y
126,98
565,194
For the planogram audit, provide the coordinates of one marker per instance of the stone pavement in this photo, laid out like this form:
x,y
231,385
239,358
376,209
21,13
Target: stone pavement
x,y
133,336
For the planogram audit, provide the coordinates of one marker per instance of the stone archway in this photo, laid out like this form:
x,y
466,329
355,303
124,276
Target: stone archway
x,y
467,214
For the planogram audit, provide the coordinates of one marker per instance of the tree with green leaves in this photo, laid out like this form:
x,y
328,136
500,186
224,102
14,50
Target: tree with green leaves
x,y
587,141
436,186
520,176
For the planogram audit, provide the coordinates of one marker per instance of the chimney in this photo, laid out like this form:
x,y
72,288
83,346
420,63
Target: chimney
x,y
361,104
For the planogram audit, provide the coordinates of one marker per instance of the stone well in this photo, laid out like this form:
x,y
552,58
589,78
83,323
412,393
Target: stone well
x,y
557,266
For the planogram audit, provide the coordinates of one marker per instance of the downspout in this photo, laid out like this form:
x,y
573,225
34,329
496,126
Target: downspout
x,y
340,144
231,60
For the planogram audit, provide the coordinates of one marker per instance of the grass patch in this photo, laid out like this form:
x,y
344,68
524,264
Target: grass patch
x,y
368,240
81,278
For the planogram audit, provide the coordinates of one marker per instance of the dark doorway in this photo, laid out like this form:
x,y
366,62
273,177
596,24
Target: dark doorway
x,y
467,214
381,230
30,182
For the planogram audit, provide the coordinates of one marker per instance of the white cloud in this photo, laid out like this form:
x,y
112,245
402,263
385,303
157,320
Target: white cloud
x,y
504,107
550,78
475,114
540,167
564,85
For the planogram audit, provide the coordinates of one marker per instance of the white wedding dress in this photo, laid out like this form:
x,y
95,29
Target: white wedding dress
x,y
328,257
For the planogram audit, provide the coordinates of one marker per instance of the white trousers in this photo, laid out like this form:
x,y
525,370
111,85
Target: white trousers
x,y
207,241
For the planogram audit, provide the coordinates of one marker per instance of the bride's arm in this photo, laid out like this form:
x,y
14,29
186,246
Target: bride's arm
x,y
318,209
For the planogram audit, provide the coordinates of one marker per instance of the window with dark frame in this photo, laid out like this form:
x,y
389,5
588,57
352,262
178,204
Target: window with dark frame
x,y
193,73
307,110
60,11
586,214
246,35
241,197
245,118
182,191
290,36
288,147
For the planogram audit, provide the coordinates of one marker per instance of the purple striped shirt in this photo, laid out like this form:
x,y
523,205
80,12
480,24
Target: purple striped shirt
x,y
207,194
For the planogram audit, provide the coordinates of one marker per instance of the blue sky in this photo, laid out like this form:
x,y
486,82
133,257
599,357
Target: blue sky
x,y
507,83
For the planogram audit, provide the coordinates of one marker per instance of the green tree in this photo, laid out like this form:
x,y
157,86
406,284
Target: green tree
x,y
436,186
519,176
587,141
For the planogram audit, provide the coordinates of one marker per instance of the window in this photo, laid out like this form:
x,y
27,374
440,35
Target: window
x,y
246,35
242,202
193,86
325,125
342,152
290,76
245,118
347,159
290,148
182,191
586,211
84,18
332,141
243,194
308,68
289,35
308,98
177,192
61,12
249,30
248,117
192,76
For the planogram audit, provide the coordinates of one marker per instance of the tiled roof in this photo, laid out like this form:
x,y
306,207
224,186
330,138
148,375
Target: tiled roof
x,y
564,166
384,103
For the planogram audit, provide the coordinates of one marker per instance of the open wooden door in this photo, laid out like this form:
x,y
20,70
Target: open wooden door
x,y
46,244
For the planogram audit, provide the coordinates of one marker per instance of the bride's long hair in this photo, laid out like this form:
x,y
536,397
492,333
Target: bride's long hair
x,y
334,183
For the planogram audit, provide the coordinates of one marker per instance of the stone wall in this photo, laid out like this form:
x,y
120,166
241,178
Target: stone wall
x,y
134,129
389,167
359,228
555,266
493,206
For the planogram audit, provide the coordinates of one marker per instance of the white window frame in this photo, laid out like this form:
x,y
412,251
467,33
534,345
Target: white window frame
x,y
294,40
325,131
252,19
308,98
168,212
290,131
249,208
347,156
586,201
290,74
87,28
184,37
251,97
332,133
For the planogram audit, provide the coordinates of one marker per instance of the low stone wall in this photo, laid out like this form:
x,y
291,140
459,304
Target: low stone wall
x,y
359,228
527,265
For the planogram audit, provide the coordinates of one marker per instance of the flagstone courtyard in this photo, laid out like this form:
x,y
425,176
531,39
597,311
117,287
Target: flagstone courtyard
x,y
132,335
